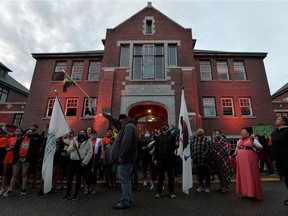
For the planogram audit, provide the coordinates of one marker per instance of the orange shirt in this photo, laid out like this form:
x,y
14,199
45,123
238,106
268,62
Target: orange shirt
x,y
3,142
9,155
24,148
106,141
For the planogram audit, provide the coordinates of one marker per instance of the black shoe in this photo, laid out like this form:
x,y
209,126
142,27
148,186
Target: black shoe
x,y
66,197
51,191
286,202
121,206
75,197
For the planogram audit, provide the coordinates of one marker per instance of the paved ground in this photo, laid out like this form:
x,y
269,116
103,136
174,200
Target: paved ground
x,y
144,203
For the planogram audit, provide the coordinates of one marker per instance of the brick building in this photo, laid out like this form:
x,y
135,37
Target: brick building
x,y
13,98
146,61
280,101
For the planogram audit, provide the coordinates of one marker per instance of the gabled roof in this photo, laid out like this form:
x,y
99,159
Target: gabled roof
x,y
149,6
281,91
11,83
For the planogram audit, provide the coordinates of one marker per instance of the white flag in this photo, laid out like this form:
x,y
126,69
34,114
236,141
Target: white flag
x,y
184,146
57,128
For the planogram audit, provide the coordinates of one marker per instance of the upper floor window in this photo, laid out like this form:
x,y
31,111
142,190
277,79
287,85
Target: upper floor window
x,y
148,62
245,106
209,107
89,108
172,55
239,69
149,27
77,70
227,106
71,107
94,70
222,69
3,94
50,107
205,70
124,56
18,119
58,74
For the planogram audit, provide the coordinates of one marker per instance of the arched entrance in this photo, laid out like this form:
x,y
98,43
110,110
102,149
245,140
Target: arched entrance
x,y
149,117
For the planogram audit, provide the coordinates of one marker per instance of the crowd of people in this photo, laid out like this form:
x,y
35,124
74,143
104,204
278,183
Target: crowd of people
x,y
121,154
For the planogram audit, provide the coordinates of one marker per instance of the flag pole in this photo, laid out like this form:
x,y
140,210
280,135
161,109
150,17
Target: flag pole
x,y
80,89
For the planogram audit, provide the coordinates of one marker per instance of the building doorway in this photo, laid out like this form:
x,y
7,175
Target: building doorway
x,y
149,117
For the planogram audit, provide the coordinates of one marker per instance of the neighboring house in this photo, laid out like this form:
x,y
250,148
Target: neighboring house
x,y
13,98
280,101
146,61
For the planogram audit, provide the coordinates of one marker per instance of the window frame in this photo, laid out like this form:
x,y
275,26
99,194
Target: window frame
x,y
222,69
92,71
4,93
225,106
249,106
17,120
49,108
171,59
239,70
71,108
85,105
77,70
207,106
58,74
204,71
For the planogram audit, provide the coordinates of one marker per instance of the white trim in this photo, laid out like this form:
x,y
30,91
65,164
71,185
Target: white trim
x,y
10,112
131,42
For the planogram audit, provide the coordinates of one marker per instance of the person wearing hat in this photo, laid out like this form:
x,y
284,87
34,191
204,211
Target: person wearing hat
x,y
124,153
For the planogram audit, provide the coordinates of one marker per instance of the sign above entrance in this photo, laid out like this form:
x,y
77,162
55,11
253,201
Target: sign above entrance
x,y
148,90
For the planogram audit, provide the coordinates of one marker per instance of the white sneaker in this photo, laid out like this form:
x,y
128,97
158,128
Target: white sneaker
x,y
152,188
23,193
7,194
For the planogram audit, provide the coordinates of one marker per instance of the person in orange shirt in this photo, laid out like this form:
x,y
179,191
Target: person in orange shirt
x,y
3,141
11,141
105,142
25,152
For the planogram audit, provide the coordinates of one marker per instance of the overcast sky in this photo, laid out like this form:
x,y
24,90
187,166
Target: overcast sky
x,y
66,26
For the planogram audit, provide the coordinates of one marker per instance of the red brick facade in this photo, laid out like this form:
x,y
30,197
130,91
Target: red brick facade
x,y
117,91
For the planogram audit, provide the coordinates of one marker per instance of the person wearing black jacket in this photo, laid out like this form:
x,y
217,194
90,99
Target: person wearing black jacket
x,y
280,148
164,158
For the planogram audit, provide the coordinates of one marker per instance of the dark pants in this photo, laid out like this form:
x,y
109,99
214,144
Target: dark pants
x,y
265,159
282,169
2,156
74,168
203,172
163,166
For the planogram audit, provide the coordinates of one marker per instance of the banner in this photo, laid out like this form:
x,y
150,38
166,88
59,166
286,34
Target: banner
x,y
57,128
184,146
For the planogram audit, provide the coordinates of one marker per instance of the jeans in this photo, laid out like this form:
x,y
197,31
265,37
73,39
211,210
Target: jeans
x,y
124,172
166,165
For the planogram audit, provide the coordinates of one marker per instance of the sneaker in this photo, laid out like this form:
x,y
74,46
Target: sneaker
x,y
207,190
120,205
23,193
93,191
152,188
51,191
199,189
157,195
7,194
86,192
75,197
145,183
2,191
286,202
66,197
173,196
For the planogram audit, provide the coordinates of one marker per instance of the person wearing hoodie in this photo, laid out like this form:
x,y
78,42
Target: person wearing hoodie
x,y
124,153
280,148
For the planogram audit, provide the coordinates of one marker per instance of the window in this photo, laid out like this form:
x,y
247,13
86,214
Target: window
x,y
124,56
71,107
77,70
172,55
58,74
3,94
148,27
50,107
239,69
245,106
89,108
94,70
222,69
209,107
18,119
227,106
205,70
148,62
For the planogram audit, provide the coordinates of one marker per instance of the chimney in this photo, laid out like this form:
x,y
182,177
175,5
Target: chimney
x,y
149,4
